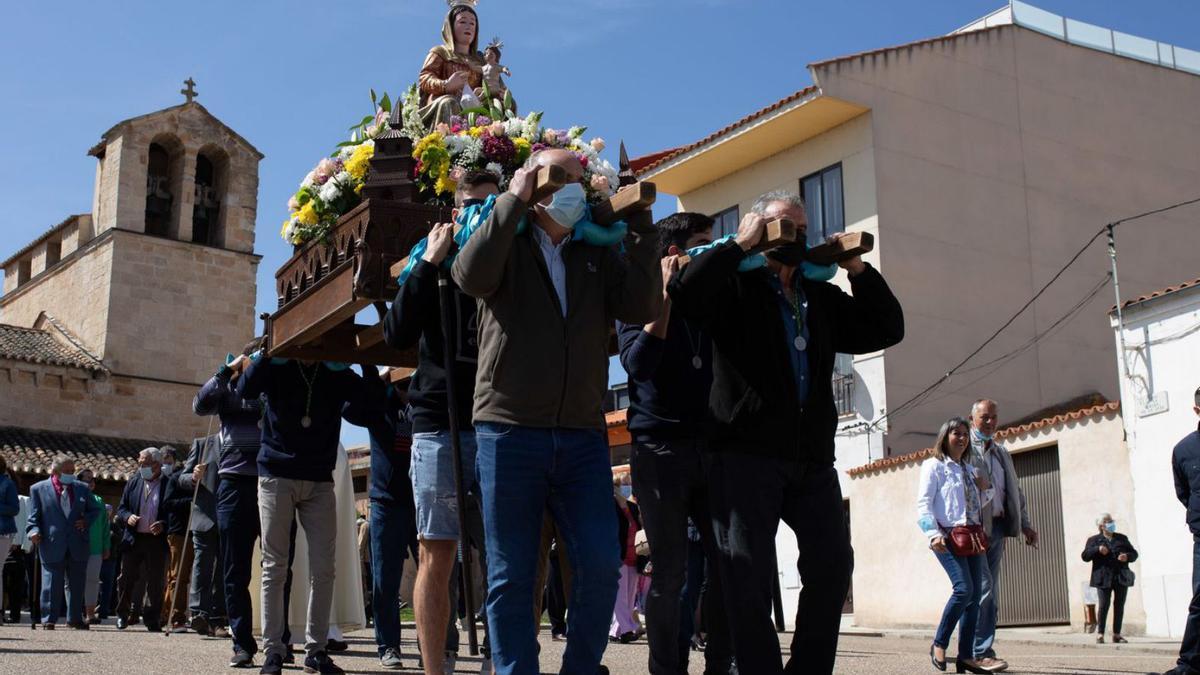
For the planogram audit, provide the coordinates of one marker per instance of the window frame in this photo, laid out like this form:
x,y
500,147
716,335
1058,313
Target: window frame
x,y
820,173
720,215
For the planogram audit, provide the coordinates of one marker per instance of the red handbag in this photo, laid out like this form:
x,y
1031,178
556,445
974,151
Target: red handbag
x,y
968,540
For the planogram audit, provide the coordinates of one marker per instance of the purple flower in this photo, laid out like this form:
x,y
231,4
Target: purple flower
x,y
537,147
499,149
483,121
458,121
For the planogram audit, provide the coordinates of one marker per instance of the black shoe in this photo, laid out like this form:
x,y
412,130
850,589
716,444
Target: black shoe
x,y
153,628
47,626
940,665
122,623
626,638
602,670
321,663
272,666
332,645
241,658
290,656
200,624
80,626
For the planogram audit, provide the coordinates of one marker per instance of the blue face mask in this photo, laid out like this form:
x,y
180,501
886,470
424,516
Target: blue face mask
x,y
146,472
1110,526
567,205
975,433
626,491
168,469
66,478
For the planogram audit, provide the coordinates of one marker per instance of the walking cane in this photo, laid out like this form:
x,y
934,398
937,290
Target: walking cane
x,y
187,533
446,302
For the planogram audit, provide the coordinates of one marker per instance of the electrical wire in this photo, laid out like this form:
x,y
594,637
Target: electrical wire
x,y
924,394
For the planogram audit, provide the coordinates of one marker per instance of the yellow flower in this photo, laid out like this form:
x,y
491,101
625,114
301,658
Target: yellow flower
x,y
360,161
283,230
434,139
307,215
444,184
523,148
476,132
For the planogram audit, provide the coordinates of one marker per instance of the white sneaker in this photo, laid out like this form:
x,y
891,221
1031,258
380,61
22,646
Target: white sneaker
x,y
485,666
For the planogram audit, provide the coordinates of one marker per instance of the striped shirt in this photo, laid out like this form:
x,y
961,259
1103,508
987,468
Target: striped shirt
x,y
241,435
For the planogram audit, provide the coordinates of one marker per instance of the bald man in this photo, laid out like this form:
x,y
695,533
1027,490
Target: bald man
x,y
547,303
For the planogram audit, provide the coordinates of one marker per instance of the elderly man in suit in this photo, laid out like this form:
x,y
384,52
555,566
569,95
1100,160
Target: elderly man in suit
x,y
60,510
206,599
144,545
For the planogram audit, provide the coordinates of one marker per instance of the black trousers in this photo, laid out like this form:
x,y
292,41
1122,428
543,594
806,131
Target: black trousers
x,y
556,597
14,583
749,495
1189,648
144,562
671,484
1107,596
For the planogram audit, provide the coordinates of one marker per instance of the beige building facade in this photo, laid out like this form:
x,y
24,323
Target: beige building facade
x,y
899,583
111,321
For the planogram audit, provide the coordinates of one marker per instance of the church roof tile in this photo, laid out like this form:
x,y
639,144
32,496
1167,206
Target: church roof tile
x,y
32,450
34,345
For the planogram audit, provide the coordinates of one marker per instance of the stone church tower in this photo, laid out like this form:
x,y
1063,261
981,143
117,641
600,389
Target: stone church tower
x,y
111,320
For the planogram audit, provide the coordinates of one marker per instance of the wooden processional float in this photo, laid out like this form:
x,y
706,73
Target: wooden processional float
x,y
324,285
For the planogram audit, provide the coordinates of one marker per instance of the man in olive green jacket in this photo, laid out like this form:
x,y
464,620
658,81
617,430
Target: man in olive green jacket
x,y
547,304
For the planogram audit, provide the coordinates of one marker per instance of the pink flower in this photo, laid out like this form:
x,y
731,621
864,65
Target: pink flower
x,y
293,203
598,144
381,116
443,129
372,130
497,128
600,184
326,169
457,173
549,137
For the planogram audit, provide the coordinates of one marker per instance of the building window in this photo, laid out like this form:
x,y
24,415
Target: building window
x,y
823,203
843,394
725,222
53,253
206,212
158,191
24,270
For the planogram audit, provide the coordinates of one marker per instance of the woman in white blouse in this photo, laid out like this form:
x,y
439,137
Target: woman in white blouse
x,y
948,505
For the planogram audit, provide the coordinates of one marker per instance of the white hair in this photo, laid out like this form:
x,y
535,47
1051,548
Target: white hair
x,y
1104,517
57,463
791,198
154,454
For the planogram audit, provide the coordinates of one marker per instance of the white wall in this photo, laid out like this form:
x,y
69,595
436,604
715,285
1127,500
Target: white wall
x,y
1163,351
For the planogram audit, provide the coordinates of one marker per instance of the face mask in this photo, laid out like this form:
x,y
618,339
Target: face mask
x,y
814,272
167,469
66,478
977,435
1110,526
146,472
792,255
567,206
626,491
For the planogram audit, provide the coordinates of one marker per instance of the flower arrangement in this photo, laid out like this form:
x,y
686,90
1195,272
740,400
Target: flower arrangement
x,y
494,139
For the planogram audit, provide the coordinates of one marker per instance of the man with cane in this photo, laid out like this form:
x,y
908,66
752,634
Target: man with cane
x,y
433,313
206,597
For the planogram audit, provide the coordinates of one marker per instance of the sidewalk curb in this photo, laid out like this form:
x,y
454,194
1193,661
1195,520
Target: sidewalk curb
x,y
1128,647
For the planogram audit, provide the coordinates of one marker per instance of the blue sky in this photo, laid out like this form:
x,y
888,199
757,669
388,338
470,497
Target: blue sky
x,y
292,76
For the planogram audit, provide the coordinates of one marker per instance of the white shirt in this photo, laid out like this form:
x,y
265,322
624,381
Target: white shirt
x,y
942,499
988,450
553,254
21,538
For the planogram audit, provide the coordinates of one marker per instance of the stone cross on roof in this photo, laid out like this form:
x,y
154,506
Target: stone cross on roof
x,y
190,92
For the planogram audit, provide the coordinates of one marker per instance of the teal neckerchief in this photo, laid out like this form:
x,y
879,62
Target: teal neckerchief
x,y
473,217
332,365
810,271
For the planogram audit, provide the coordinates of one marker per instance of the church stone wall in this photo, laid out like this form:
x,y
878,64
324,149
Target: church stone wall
x,y
177,308
70,400
76,292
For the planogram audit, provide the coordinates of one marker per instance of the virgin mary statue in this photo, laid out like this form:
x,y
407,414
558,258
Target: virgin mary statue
x,y
453,67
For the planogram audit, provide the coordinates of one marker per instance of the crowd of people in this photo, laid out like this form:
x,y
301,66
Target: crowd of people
x,y
496,451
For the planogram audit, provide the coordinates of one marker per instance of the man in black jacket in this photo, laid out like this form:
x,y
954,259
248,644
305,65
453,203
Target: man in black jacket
x,y
775,334
143,509
415,318
1185,465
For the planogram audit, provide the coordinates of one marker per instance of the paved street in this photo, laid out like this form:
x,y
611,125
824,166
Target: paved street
x,y
105,650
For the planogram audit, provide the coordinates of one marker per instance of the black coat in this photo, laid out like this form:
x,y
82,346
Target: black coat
x,y
754,402
1185,464
131,505
1105,568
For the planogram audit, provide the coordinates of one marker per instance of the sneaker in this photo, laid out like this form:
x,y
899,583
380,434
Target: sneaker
x,y
321,663
199,624
241,658
179,628
219,632
390,659
122,623
1100,639
272,666
485,666
47,626
448,664
1117,639
332,645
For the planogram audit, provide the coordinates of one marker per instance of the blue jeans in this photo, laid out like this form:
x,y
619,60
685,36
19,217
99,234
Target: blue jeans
x,y
432,474
966,577
391,525
521,471
989,603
